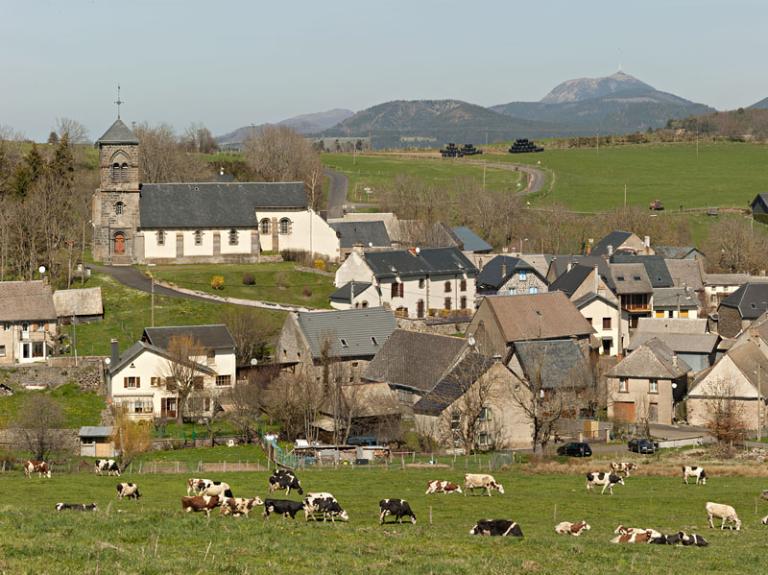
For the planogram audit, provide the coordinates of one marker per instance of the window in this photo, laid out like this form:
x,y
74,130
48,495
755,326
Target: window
x,y
447,287
533,290
455,419
344,343
233,240
485,414
463,285
364,304
198,238
522,275
119,207
285,226
483,439
659,313
115,175
589,320
2,351
606,323
160,238
463,302
198,382
223,380
131,382
124,172
7,326
264,226
683,313
653,386
447,303
421,283
155,381
397,289
210,357
623,385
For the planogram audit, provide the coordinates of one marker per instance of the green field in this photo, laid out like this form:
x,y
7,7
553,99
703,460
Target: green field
x,y
154,536
79,407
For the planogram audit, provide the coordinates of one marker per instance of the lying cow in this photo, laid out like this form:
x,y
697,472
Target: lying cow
x,y
682,538
284,507
438,486
634,537
607,480
325,505
40,467
694,471
724,512
623,467
474,481
284,479
237,506
128,490
76,506
621,530
568,528
397,508
214,488
109,465
194,483
496,527
199,503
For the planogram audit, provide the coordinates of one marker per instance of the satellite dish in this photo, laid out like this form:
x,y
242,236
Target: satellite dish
x,y
674,386
107,361
254,361
471,340
41,269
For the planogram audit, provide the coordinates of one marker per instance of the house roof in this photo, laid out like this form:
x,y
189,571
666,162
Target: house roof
x,y
762,198
655,267
118,133
751,300
367,234
351,333
752,363
539,262
559,264
78,302
371,399
499,269
537,316
701,343
471,241
588,298
454,384
26,300
214,204
630,279
140,347
213,336
652,360
674,298
615,239
343,293
672,325
421,262
674,252
95,431
726,279
570,281
414,359
686,273
558,363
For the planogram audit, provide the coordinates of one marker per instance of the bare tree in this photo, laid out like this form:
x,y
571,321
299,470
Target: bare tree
x,y
244,404
247,330
294,400
73,130
163,158
725,414
198,138
183,370
38,425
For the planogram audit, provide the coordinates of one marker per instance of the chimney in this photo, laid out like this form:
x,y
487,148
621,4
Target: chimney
x,y
568,267
115,355
647,242
674,361
597,279
610,251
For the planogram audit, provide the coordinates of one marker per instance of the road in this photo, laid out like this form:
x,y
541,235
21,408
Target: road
x,y
535,175
337,193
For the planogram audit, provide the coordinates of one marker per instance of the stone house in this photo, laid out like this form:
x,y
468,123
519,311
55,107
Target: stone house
x,y
741,308
619,241
688,338
368,235
28,322
508,275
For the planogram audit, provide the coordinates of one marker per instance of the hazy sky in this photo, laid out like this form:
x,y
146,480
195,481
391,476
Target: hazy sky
x,y
229,63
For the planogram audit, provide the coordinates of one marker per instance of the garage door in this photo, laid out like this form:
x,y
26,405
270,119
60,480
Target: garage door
x,y
624,411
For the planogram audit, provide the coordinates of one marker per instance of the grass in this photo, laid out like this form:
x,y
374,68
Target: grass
x,y
153,535
274,282
79,407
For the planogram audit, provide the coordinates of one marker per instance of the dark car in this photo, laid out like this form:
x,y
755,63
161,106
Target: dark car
x,y
575,449
642,446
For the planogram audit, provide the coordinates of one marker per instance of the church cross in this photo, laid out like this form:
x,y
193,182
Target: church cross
x,y
118,101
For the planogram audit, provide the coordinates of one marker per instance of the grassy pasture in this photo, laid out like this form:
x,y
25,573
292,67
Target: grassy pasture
x,y
154,536
79,407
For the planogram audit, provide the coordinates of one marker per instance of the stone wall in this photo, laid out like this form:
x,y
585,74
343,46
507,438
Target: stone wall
x,y
11,440
87,375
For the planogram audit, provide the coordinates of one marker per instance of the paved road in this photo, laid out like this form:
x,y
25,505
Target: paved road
x,y
337,194
535,175
133,278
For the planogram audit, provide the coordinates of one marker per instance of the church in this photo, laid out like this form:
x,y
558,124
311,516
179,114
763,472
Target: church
x,y
196,222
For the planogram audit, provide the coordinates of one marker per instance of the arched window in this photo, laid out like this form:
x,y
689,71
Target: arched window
x,y
115,172
161,238
264,226
233,240
124,172
119,208
285,226
198,238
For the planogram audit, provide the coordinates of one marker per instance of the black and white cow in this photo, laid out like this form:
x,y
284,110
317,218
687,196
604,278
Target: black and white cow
x,y
682,538
109,465
694,471
607,480
764,520
284,507
397,508
128,490
496,527
76,506
623,467
284,479
194,483
214,488
325,505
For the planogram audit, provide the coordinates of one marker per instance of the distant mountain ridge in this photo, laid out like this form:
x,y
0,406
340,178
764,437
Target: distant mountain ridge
x,y
588,88
304,124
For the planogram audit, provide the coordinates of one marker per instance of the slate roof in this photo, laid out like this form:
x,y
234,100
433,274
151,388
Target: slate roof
x,y
213,336
343,293
118,133
414,360
726,279
557,362
78,302
207,205
428,261
614,239
686,272
491,278
752,363
454,384
539,262
630,279
559,264
570,281
652,360
590,297
751,300
701,343
141,346
26,300
95,431
363,331
674,298
672,325
655,267
368,234
471,241
761,198
674,252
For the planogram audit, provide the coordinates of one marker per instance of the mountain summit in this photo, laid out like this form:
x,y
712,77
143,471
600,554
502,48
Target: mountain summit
x,y
587,88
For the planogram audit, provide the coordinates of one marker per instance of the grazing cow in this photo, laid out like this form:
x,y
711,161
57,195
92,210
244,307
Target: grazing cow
x,y
198,503
622,467
694,471
323,504
621,530
237,506
474,481
568,528
108,465
194,483
764,494
438,486
284,507
40,467
129,490
398,508
607,480
724,512
76,506
764,520
217,488
283,479
496,527
634,537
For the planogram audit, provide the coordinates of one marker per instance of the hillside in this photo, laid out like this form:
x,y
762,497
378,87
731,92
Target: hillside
x,y
303,124
741,125
761,105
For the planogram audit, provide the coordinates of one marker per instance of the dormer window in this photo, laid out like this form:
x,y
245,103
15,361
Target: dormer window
x,y
119,208
344,343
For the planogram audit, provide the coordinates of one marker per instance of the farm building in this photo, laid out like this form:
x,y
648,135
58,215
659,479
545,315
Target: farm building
x,y
97,441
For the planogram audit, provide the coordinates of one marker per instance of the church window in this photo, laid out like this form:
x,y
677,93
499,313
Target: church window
x,y
115,172
124,172
198,238
285,226
161,238
264,226
233,237
119,208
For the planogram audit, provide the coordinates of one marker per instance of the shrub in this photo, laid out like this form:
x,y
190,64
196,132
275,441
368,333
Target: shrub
x,y
307,292
248,279
217,282
319,264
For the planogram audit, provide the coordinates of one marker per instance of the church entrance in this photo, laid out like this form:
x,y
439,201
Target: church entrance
x,y
119,243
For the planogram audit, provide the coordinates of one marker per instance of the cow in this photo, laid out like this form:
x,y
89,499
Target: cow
x,y
496,527
438,486
764,520
575,529
211,488
621,530
194,483
76,506
622,467
398,508
237,506
634,537
34,466
323,504
474,481
283,479
693,539
694,471
724,512
129,490
284,507
607,480
108,465
198,503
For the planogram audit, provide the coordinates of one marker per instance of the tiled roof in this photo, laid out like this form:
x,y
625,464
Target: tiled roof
x,y
454,384
26,300
655,267
366,234
78,302
687,273
672,325
674,298
213,336
674,252
343,293
652,360
472,242
614,239
570,281
751,300
557,363
350,333
703,343
630,279
498,270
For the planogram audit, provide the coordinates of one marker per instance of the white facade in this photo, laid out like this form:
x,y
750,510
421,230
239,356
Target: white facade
x,y
676,313
603,318
297,230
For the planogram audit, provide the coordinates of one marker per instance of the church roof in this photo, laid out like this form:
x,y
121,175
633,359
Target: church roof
x,y
118,133
214,204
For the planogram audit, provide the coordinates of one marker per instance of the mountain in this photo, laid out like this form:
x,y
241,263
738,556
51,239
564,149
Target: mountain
x,y
616,104
761,105
303,124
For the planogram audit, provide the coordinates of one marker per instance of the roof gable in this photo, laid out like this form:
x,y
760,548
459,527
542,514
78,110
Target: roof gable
x,y
751,300
454,384
614,239
499,269
555,363
348,333
570,281
652,360
129,355
419,262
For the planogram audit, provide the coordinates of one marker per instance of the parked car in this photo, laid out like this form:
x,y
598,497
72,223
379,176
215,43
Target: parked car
x,y
575,449
642,445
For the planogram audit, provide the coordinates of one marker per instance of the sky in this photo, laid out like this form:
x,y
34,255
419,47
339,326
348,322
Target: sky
x,y
230,63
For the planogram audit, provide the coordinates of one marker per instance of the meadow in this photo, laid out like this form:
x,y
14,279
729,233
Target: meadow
x,y
154,536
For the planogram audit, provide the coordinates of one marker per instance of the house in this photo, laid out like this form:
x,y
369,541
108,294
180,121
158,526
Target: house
x,y
78,305
370,235
620,241
344,340
581,280
552,364
760,207
502,321
471,242
141,379
686,273
647,384
28,322
561,264
717,287
741,308
655,267
415,283
508,275
611,324
194,222
354,295
675,302
633,287
739,377
697,350
97,441
678,252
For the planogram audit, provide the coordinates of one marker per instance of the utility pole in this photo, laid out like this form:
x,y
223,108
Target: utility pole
x,y
625,195
759,406
152,300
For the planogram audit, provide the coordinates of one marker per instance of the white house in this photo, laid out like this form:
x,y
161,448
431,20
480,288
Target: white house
x,y
603,315
414,283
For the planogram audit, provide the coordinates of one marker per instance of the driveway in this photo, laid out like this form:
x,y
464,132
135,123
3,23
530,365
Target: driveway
x,y
337,193
130,277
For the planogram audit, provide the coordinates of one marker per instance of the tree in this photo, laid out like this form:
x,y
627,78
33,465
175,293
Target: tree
x,y
163,158
130,437
725,414
294,401
38,425
73,130
184,373
245,403
198,138
247,330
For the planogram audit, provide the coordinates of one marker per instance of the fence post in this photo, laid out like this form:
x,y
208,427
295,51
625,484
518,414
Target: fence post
x,y
225,467
402,461
178,468
430,515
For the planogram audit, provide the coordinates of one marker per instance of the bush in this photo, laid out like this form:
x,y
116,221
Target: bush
x,y
320,264
307,292
217,282
248,279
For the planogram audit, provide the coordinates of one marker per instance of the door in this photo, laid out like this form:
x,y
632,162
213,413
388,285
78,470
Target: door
x,y
168,407
119,243
624,411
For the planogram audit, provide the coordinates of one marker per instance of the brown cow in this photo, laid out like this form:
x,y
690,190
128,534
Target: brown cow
x,y
438,486
200,503
575,529
40,467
